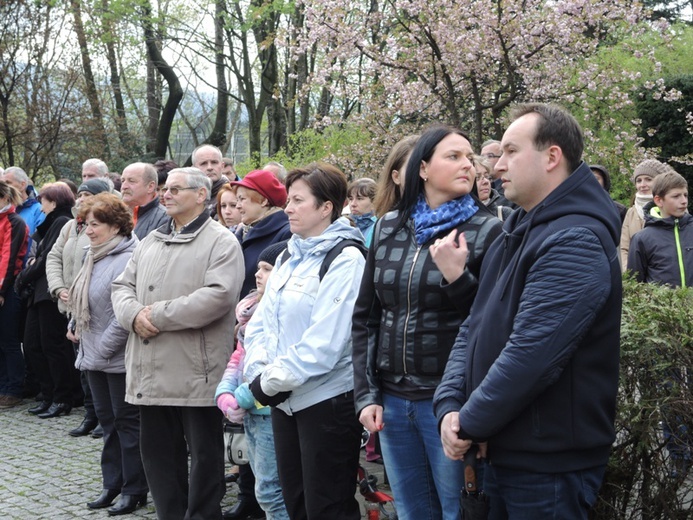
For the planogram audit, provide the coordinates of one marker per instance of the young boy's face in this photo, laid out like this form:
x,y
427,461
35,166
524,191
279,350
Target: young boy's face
x,y
674,203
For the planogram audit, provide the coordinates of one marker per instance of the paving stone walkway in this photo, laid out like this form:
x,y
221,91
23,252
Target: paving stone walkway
x,y
46,474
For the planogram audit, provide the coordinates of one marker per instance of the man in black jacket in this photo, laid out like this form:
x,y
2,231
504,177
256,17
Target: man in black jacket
x,y
533,374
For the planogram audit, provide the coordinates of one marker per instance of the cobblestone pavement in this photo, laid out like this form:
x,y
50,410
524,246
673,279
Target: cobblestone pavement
x,y
46,474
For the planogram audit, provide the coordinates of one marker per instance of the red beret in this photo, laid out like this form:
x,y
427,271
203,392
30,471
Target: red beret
x,y
266,184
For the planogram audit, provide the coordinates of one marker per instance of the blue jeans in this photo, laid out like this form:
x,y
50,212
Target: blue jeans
x,y
521,495
425,483
263,461
11,358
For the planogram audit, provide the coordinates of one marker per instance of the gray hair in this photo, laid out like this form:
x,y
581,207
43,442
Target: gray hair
x,y
192,156
100,166
18,174
277,169
195,179
488,142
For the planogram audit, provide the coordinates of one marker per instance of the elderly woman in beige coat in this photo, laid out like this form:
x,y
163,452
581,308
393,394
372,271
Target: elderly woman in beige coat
x,y
177,297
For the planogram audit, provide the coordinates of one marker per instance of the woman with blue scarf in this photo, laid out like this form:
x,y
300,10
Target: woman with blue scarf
x,y
418,286
360,195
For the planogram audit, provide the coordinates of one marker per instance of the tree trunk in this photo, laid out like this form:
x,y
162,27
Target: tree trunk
x,y
90,84
218,135
175,94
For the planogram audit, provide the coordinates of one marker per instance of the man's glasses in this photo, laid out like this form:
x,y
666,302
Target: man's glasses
x,y
174,189
491,155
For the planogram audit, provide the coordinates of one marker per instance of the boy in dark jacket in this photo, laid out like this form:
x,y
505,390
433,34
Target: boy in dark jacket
x,y
533,374
663,253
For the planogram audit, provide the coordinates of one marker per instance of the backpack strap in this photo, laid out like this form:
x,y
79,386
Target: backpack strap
x,y
335,252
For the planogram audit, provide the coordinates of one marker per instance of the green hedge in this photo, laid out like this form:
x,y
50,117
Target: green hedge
x,y
656,373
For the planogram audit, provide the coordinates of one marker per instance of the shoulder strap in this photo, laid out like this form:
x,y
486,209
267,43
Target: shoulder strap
x,y
335,252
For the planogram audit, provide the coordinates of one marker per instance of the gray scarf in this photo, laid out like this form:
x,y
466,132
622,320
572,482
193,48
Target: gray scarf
x,y
78,297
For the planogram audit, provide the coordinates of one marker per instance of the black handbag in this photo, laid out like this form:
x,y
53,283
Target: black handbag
x,y
236,443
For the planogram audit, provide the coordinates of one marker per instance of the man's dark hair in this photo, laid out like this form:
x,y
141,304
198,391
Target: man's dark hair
x,y
555,126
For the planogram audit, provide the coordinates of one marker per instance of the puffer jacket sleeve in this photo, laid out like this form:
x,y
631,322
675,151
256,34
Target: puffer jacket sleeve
x,y
451,393
114,336
463,290
565,287
233,374
364,335
330,328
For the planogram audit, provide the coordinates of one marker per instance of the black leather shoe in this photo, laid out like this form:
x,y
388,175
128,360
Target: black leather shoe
x,y
244,510
230,478
85,428
97,433
105,499
56,410
41,407
127,504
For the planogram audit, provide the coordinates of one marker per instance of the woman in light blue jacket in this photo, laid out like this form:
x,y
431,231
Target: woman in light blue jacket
x,y
298,350
108,225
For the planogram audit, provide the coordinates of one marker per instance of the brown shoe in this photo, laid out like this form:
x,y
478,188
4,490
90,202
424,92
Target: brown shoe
x,y
9,401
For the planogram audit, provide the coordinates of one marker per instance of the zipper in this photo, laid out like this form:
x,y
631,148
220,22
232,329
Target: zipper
x,y
679,253
406,321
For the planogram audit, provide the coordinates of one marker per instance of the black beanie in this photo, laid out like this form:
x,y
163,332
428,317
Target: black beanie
x,y
604,173
270,253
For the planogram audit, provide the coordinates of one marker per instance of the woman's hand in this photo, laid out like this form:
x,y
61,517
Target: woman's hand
x,y
450,255
63,295
72,336
372,418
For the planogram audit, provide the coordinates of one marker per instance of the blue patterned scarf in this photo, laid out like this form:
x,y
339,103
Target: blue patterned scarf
x,y
431,222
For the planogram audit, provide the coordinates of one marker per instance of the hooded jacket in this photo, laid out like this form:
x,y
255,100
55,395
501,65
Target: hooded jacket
x,y
406,317
534,369
299,339
663,251
191,280
102,347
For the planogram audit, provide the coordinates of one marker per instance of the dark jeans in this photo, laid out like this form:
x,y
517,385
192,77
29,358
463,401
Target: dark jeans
x,y
51,353
521,495
317,458
11,358
164,431
121,462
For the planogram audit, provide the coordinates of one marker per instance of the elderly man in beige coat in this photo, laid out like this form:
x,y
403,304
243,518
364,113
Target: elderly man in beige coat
x,y
177,297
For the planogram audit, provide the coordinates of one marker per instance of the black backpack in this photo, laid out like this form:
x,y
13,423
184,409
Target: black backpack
x,y
332,254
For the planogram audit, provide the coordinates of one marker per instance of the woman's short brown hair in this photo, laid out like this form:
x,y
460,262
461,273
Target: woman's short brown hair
x,y
326,183
57,192
108,209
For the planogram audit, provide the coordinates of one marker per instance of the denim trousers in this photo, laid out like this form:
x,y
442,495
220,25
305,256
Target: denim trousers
x,y
11,357
263,461
425,483
522,495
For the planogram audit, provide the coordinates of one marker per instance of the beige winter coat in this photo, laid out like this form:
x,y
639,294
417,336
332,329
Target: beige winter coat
x,y
65,260
631,225
192,282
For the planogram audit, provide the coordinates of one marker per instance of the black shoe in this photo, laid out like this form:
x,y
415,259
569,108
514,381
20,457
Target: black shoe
x,y
85,428
244,510
97,433
105,499
41,407
56,410
127,504
230,478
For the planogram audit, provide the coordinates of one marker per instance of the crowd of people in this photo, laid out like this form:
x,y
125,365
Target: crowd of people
x,y
463,303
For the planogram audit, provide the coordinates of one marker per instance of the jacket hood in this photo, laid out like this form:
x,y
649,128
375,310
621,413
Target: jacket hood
x,y
579,194
340,229
653,217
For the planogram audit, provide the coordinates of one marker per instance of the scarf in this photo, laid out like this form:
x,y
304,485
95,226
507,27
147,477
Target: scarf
x,y
363,222
640,202
431,222
244,311
78,297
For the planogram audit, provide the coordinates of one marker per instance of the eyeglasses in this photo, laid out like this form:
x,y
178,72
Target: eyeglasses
x,y
491,155
484,177
174,189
